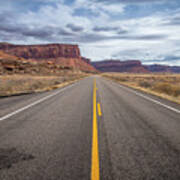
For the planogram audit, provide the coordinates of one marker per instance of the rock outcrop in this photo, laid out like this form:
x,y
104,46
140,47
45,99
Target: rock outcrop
x,y
86,60
10,64
163,68
41,51
64,55
132,66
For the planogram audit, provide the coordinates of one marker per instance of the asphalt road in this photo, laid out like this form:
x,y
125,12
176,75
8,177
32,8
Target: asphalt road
x,y
118,132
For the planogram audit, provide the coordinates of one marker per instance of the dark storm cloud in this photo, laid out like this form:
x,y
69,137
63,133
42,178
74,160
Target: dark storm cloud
x,y
147,37
86,38
10,36
46,32
51,33
37,33
140,37
121,31
118,30
166,59
64,32
92,37
8,24
4,16
11,30
175,21
171,58
24,30
75,28
104,28
129,51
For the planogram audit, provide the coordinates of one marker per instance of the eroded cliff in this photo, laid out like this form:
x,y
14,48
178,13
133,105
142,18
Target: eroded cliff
x,y
65,55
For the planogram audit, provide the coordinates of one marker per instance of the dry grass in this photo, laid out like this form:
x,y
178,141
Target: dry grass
x,y
163,85
19,84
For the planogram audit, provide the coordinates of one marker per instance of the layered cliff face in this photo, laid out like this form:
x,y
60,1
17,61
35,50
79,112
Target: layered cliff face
x,y
162,68
86,60
67,56
42,51
133,66
10,64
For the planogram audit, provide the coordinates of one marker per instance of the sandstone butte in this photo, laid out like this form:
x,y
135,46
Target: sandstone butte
x,y
64,55
133,66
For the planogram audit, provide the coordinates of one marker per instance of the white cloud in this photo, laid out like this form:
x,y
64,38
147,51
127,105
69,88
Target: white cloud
x,y
140,40
114,8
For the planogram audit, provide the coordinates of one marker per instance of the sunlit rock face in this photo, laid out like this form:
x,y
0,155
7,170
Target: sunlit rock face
x,y
42,51
65,55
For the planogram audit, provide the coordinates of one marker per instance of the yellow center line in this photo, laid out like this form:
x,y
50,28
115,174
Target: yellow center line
x,y
99,109
95,174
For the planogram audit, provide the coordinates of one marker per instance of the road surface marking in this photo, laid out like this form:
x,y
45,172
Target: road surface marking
x,y
95,174
33,104
150,99
99,109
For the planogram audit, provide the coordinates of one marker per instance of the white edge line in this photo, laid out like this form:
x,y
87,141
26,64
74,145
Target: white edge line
x,y
148,98
34,103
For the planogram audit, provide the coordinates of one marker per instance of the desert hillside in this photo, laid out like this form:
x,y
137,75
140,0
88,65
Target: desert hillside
x,y
51,56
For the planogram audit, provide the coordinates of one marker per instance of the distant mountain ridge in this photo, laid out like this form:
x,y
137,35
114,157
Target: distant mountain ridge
x,y
132,66
163,68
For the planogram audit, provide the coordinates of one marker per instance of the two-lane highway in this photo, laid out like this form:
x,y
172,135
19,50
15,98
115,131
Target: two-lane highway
x,y
93,129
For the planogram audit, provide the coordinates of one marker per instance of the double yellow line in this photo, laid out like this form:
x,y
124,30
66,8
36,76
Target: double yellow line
x,y
95,171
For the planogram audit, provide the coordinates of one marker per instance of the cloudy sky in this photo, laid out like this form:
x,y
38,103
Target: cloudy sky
x,y
148,30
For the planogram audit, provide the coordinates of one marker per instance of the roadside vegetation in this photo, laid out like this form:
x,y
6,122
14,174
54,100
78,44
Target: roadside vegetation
x,y
22,84
163,85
